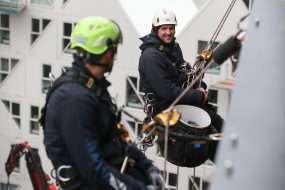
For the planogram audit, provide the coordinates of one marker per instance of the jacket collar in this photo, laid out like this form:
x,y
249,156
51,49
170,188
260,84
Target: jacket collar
x,y
78,66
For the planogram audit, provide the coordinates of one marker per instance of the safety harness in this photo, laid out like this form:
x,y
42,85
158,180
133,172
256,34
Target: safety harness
x,y
151,98
176,61
77,77
66,173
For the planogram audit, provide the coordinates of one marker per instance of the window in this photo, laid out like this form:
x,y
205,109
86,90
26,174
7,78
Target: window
x,y
134,93
4,186
215,67
14,109
67,29
35,151
213,98
17,167
38,26
171,181
34,117
42,2
136,127
199,184
4,29
6,66
45,78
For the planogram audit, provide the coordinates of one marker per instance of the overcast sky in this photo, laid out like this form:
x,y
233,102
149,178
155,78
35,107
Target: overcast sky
x,y
141,13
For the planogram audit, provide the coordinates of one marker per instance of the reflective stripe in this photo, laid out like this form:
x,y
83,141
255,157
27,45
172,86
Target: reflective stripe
x,y
116,183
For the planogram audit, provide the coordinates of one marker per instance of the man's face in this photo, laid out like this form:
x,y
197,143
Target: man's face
x,y
166,32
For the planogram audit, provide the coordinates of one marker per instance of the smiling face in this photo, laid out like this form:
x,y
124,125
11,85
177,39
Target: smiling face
x,y
166,32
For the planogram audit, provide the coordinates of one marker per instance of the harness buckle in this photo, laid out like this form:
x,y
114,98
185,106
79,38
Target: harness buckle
x,y
90,82
149,97
63,179
148,109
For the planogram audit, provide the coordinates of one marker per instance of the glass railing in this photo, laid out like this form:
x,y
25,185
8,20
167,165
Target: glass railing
x,y
12,6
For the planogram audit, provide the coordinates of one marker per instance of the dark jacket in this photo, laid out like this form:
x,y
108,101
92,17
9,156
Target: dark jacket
x,y
160,75
80,131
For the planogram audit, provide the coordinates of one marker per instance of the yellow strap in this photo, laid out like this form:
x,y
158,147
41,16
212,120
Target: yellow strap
x,y
90,82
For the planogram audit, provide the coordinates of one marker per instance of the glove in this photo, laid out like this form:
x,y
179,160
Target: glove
x,y
151,187
154,177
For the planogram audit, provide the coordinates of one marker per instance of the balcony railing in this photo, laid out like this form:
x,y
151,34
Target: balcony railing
x,y
12,6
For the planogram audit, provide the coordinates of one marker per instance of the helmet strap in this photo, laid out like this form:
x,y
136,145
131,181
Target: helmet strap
x,y
155,28
92,59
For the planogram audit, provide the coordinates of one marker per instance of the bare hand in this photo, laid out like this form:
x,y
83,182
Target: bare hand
x,y
205,93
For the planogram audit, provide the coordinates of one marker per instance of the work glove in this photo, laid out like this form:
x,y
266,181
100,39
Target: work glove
x,y
154,177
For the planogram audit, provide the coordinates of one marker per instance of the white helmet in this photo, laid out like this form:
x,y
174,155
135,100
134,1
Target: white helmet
x,y
164,16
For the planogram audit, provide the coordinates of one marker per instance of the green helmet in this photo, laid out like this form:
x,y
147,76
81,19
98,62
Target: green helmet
x,y
96,34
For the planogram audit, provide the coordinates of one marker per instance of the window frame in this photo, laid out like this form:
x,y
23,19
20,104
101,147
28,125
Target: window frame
x,y
136,127
4,186
199,183
200,48
45,80
41,28
9,108
50,3
136,88
66,48
11,66
215,104
4,29
167,180
34,121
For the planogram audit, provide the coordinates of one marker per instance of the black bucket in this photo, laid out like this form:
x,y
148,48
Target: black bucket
x,y
188,152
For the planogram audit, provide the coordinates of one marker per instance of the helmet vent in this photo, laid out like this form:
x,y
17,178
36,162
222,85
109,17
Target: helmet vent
x,y
91,27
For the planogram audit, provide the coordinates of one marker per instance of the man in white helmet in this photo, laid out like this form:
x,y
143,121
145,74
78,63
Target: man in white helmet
x,y
159,65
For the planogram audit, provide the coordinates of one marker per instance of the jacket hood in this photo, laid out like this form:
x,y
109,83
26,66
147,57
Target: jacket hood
x,y
153,39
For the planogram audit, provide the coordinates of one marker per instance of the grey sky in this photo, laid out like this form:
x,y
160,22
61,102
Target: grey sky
x,y
141,13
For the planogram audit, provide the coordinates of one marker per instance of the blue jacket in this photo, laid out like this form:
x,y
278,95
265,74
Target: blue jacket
x,y
159,75
80,131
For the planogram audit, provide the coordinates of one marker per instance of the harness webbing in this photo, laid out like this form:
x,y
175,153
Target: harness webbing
x,y
80,78
167,51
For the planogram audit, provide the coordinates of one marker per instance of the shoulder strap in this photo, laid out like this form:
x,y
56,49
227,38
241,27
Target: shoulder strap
x,y
167,51
80,78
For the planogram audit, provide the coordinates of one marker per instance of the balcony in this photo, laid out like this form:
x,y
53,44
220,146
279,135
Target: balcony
x,y
12,6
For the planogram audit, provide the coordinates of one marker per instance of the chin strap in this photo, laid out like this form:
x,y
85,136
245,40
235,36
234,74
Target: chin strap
x,y
83,55
108,66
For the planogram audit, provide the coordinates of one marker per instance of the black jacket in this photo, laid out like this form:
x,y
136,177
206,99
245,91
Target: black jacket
x,y
80,131
160,75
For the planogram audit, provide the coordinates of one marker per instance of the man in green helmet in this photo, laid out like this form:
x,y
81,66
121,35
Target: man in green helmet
x,y
79,119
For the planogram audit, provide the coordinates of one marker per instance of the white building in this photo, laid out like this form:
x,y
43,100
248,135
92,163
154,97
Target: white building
x,y
34,41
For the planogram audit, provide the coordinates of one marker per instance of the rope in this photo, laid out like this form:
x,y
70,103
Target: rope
x,y
177,177
217,31
169,109
193,181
